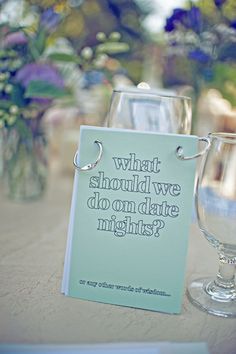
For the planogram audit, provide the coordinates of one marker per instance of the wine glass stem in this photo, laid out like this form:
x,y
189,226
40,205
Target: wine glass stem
x,y
223,287
225,276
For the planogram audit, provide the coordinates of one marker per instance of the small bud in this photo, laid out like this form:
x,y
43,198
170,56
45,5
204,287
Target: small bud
x,y
14,109
87,53
115,36
11,120
8,88
101,36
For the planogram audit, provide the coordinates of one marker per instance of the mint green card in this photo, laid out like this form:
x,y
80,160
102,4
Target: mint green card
x,y
130,219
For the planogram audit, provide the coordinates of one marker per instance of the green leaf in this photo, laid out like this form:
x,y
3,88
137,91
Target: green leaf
x,y
33,50
68,58
43,89
40,41
17,96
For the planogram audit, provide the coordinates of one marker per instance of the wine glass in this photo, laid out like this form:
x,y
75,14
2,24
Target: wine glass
x,y
215,201
150,110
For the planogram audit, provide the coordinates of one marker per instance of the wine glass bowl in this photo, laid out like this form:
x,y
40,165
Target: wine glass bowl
x,y
215,202
150,110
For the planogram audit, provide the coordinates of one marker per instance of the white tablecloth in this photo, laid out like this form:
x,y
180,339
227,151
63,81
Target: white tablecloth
x,y
32,309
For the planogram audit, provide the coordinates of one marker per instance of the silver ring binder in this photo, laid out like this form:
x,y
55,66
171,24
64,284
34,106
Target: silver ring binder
x,y
90,166
180,151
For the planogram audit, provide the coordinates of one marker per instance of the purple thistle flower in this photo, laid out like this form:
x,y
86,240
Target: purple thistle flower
x,y
199,55
15,38
39,72
50,19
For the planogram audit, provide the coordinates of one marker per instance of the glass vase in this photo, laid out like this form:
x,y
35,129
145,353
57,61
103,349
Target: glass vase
x,y
25,161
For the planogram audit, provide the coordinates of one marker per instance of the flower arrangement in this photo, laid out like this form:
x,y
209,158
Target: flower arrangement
x,y
29,75
202,46
29,82
33,74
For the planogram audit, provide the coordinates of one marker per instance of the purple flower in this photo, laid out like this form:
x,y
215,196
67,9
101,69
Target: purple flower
x,y
39,72
50,19
178,16
15,38
194,19
190,19
233,24
199,55
219,3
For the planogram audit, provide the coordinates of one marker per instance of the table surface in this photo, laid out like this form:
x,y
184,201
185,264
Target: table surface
x,y
32,309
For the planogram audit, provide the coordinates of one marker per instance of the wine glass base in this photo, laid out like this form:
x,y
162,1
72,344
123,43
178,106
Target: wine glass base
x,y
201,294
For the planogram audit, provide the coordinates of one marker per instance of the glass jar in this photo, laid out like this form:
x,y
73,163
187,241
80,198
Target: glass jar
x,y
25,154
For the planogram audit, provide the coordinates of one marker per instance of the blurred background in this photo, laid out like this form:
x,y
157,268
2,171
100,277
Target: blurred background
x,y
60,60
